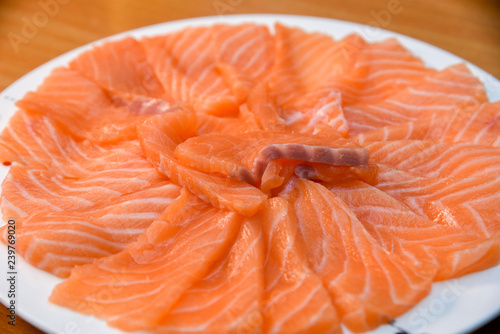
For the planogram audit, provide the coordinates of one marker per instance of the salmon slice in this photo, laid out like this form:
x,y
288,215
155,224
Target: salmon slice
x,y
431,159
58,241
359,71
369,285
337,174
189,75
261,107
36,141
295,299
279,172
230,125
245,157
465,203
419,241
248,121
316,113
209,124
152,273
277,175
244,56
228,299
142,105
106,176
477,124
376,70
271,177
120,67
298,77
82,108
302,59
452,88
160,135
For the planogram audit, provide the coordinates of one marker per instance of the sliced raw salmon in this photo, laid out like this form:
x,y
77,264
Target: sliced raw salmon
x,y
82,108
120,67
337,174
152,273
142,105
160,135
271,177
277,175
246,156
229,298
98,181
206,177
302,59
244,56
298,77
189,75
477,124
318,112
261,107
376,70
368,285
231,125
295,299
422,243
36,141
467,203
57,241
431,159
452,88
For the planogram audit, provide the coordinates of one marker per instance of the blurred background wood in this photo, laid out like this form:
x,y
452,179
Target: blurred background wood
x,y
469,29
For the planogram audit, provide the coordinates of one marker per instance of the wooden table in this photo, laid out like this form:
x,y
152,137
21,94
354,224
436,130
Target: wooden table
x,y
469,29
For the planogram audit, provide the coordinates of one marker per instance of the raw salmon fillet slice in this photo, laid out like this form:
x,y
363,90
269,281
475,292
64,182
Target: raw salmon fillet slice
x,y
277,175
189,75
99,179
461,202
246,156
271,177
452,88
479,125
120,67
302,59
57,241
337,174
228,299
82,108
35,141
431,159
298,76
368,285
142,105
244,56
152,273
207,124
376,70
420,242
315,113
160,135
295,299
261,110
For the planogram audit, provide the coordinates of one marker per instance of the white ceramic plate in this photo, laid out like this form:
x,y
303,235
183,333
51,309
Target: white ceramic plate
x,y
456,306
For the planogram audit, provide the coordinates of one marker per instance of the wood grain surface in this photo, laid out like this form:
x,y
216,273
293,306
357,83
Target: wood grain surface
x,y
33,32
